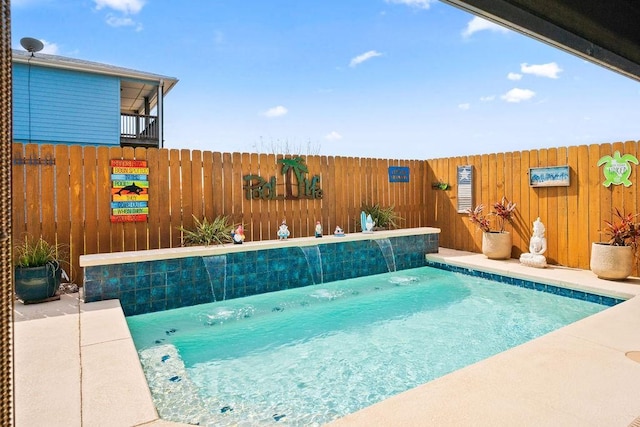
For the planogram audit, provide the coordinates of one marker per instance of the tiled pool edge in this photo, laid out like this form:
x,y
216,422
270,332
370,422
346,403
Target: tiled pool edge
x,y
528,284
184,276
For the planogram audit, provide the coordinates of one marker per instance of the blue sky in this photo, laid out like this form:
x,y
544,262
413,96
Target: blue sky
x,y
406,79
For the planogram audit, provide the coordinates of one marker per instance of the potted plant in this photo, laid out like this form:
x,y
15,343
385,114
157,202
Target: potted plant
x,y
496,243
37,271
384,218
205,232
613,259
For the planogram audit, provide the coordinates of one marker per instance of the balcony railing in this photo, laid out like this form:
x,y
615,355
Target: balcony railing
x,y
139,130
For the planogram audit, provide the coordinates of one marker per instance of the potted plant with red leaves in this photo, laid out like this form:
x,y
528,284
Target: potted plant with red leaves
x,y
496,242
613,259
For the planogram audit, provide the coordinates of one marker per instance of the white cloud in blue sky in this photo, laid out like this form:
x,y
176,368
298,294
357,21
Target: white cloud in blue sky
x,y
421,4
514,76
333,136
550,70
278,111
516,95
125,6
363,57
477,24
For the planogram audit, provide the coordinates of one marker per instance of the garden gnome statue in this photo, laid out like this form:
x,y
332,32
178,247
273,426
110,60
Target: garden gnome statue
x,y
537,246
283,231
238,235
318,229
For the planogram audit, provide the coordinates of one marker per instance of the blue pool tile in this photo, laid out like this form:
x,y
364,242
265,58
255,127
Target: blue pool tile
x,y
143,296
159,266
128,269
142,268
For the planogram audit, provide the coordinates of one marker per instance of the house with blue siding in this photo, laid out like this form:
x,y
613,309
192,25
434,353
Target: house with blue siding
x,y
60,100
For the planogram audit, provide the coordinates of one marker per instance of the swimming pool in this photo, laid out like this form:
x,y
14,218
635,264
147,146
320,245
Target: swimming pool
x,y
310,355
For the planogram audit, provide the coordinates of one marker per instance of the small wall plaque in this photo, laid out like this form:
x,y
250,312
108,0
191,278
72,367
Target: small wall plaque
x,y
552,176
398,174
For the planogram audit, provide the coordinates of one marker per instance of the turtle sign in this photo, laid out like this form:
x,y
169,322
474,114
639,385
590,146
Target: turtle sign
x,y
617,169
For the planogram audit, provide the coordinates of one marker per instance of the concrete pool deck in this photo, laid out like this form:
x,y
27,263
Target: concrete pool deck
x,y
75,364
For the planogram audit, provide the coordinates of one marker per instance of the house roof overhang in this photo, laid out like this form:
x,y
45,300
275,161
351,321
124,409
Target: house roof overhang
x,y
135,85
604,32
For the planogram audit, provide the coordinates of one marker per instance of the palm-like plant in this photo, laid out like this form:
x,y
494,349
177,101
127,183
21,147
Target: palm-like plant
x,y
208,233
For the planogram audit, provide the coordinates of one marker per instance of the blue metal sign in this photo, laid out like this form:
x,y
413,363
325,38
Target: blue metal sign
x,y
398,174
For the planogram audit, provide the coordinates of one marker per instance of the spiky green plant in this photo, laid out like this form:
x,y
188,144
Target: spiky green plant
x,y
36,252
208,233
383,217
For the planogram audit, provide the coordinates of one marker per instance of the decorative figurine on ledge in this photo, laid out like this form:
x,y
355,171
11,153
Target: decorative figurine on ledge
x,y
338,232
318,229
537,246
283,231
238,235
366,223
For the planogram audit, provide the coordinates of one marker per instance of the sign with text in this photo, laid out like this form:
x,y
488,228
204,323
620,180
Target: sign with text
x,y
129,190
398,174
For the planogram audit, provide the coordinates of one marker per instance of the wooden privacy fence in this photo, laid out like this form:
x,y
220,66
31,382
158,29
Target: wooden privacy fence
x,y
63,193
573,215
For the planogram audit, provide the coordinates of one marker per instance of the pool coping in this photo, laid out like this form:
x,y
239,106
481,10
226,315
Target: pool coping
x,y
551,380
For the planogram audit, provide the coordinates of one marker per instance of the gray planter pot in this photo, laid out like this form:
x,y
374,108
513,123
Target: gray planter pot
x,y
496,244
611,262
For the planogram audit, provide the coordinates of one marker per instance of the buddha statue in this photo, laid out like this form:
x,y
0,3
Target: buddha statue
x,y
537,246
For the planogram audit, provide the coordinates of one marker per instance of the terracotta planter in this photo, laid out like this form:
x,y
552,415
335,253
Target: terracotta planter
x,y
611,262
496,244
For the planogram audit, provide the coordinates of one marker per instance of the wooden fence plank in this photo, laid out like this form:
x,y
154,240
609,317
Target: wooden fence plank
x,y
196,184
63,208
186,189
207,185
551,214
76,186
562,213
32,191
47,174
89,192
153,219
18,191
164,197
175,200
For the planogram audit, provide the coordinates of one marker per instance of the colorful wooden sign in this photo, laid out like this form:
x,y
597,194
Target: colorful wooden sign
x,y
129,190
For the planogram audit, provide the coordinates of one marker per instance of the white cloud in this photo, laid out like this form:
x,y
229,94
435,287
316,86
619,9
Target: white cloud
x,y
333,136
518,95
481,24
514,76
364,57
129,7
50,48
550,70
487,98
420,4
464,106
116,21
275,112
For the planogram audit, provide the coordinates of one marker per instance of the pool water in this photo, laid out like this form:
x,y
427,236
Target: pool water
x,y
309,355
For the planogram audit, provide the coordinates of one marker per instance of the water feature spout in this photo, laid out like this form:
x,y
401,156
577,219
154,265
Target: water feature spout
x,y
216,267
314,261
387,251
